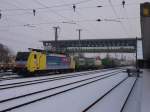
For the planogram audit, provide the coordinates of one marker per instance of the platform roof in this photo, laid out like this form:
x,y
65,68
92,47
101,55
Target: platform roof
x,y
94,45
92,42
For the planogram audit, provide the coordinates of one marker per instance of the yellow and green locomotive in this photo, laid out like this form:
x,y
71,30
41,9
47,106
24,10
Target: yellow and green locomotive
x,y
39,61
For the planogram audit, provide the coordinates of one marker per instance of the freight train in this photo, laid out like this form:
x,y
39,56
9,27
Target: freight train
x,y
39,61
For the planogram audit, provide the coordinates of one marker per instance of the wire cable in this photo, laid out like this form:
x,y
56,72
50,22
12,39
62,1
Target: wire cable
x,y
66,5
49,7
121,24
74,22
129,23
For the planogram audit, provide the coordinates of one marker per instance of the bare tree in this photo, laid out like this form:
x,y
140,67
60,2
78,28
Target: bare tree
x,y
5,54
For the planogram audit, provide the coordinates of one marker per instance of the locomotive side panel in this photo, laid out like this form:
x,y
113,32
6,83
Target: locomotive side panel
x,y
57,62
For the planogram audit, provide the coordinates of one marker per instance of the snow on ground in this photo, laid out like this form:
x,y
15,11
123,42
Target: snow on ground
x,y
50,76
7,74
78,99
2,78
114,101
75,100
146,91
23,80
134,102
9,93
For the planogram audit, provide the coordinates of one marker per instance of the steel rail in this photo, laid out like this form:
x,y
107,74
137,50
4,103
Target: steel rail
x,y
122,108
49,79
2,101
57,93
95,102
99,99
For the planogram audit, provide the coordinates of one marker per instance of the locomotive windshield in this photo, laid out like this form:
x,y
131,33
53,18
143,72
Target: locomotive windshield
x,y
22,56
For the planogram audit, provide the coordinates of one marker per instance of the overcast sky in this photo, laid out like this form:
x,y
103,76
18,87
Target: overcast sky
x,y
20,29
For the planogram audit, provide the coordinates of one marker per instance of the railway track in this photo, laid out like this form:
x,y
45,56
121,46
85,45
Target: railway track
x,y
125,102
4,77
12,77
25,83
89,108
5,104
8,76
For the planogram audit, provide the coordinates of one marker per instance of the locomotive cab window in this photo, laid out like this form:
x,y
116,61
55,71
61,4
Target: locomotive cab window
x,y
22,56
35,56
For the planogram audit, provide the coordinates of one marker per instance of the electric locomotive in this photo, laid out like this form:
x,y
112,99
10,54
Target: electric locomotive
x,y
38,61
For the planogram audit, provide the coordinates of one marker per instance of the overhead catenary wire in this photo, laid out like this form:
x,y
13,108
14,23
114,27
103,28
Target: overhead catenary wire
x,y
43,5
30,10
84,1
49,7
61,15
121,24
65,5
89,31
9,26
71,22
98,6
6,16
13,5
31,25
111,19
127,18
57,13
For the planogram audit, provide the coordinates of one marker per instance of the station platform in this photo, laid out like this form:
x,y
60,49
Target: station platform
x,y
145,100
139,100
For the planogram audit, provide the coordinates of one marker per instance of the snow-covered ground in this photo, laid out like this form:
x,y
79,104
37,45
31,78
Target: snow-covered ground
x,y
74,100
114,101
134,102
145,101
49,76
9,93
102,85
48,79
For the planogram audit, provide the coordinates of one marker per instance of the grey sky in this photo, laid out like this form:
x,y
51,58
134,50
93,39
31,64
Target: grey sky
x,y
20,29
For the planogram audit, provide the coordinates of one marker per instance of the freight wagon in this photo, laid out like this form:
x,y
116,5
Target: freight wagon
x,y
87,63
6,66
